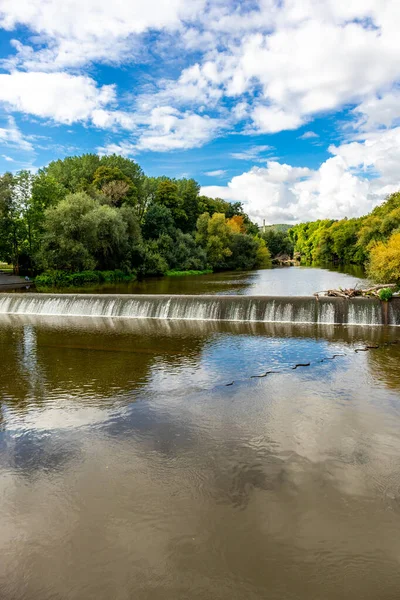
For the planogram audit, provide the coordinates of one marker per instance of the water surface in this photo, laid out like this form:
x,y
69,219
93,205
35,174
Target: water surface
x,y
143,459
285,281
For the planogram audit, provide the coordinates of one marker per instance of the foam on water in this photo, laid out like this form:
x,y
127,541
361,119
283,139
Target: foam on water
x,y
274,309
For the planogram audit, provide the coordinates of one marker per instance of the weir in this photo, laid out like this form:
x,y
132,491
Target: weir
x,y
266,309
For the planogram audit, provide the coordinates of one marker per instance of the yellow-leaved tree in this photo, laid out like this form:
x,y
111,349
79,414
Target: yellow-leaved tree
x,y
384,263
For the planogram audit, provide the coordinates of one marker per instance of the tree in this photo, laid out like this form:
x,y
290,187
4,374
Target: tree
x,y
278,241
158,220
115,185
188,191
181,252
18,217
263,255
214,235
81,234
74,173
236,224
167,195
384,262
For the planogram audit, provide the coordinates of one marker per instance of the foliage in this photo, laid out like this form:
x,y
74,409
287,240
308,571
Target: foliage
x,y
80,234
385,294
153,263
19,220
278,240
87,214
214,235
185,273
61,279
158,220
384,263
236,224
263,255
358,241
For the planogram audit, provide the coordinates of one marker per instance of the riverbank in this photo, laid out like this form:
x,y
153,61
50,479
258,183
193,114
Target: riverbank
x,y
11,282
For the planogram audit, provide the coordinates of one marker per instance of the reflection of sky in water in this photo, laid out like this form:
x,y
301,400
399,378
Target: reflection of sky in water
x,y
130,470
289,281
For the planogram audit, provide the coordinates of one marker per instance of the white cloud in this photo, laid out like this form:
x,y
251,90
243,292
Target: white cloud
x,y
254,153
263,66
316,57
271,119
59,96
309,135
357,177
12,136
379,110
168,129
7,158
216,173
79,32
123,148
162,129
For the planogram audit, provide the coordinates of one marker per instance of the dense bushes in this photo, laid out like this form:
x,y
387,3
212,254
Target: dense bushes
x,y
185,273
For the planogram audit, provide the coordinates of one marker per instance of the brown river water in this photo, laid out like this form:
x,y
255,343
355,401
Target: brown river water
x,y
146,459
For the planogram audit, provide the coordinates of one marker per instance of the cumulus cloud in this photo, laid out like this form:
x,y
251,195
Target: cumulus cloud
x,y
250,67
79,32
161,129
170,130
382,110
357,177
59,96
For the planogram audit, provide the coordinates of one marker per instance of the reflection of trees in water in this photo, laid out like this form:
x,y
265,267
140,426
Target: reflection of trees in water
x,y
40,363
48,358
14,383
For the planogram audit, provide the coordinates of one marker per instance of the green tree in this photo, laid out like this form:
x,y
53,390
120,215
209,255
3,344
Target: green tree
x,y
18,219
167,195
214,235
80,234
158,220
278,241
188,191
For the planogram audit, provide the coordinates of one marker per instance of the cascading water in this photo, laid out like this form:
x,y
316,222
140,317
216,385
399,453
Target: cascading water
x,y
273,309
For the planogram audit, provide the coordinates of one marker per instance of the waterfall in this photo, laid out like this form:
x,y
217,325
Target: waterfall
x,y
266,309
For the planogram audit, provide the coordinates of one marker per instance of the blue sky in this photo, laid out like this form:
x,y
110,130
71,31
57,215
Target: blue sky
x,y
290,107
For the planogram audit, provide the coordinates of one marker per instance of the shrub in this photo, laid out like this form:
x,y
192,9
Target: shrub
x,y
190,272
60,279
385,294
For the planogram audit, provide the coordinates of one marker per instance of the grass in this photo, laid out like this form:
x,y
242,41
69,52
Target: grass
x,y
6,268
61,279
185,273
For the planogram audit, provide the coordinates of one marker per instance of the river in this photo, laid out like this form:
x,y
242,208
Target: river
x,y
155,459
285,281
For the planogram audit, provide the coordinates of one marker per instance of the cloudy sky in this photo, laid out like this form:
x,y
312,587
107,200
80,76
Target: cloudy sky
x,y
291,107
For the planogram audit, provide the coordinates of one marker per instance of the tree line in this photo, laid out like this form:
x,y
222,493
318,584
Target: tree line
x,y
103,213
372,241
